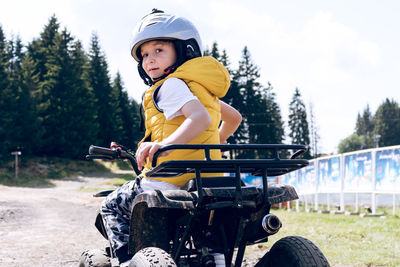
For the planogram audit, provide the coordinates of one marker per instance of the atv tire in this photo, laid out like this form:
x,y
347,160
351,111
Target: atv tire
x,y
293,251
94,258
152,256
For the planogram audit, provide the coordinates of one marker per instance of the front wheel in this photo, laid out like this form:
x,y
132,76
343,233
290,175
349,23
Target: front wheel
x,y
293,251
94,258
152,256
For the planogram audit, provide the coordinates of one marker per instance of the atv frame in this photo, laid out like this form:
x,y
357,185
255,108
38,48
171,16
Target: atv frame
x,y
213,215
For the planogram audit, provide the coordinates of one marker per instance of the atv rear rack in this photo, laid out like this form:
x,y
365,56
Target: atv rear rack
x,y
269,167
273,166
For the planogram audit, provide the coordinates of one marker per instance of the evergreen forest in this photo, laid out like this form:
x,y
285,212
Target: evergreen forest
x,y
56,99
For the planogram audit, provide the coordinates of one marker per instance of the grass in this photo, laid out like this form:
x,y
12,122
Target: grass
x,y
40,171
345,240
119,180
116,165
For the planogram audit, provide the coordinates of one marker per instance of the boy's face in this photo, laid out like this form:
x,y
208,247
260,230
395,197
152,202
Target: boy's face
x,y
157,56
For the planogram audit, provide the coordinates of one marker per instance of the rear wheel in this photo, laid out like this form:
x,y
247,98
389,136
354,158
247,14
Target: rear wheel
x,y
294,251
94,258
152,256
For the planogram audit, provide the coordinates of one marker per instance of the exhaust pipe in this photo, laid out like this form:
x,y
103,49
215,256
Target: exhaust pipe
x,y
271,224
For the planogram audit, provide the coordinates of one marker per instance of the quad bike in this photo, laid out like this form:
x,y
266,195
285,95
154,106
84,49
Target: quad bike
x,y
210,216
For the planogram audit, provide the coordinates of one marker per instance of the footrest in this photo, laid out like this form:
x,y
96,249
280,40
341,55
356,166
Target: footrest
x,y
103,193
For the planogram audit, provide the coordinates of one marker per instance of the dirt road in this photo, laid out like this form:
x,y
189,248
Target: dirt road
x,y
52,226
48,226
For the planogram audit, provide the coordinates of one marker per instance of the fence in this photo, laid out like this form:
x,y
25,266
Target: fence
x,y
347,181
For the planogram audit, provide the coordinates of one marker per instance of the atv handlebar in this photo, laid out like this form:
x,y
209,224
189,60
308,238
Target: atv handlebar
x,y
97,152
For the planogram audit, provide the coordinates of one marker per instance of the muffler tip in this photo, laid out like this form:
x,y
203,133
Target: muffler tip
x,y
271,224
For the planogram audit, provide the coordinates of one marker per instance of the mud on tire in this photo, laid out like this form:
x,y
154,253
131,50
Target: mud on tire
x,y
152,256
294,251
94,258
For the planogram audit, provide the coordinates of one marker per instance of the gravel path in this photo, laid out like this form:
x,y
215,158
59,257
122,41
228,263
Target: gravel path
x,y
52,226
49,226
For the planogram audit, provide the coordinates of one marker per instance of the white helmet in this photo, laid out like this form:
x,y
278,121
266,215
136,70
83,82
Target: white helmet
x,y
158,25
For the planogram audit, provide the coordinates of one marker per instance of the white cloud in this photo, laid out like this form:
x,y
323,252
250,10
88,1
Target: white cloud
x,y
27,18
326,59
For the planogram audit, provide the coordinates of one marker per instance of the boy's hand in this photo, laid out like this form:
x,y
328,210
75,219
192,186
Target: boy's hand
x,y
147,150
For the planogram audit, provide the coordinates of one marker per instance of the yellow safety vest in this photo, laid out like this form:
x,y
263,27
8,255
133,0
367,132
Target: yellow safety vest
x,y
208,80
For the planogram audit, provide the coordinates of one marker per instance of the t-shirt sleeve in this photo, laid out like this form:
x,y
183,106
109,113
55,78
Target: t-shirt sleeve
x,y
172,96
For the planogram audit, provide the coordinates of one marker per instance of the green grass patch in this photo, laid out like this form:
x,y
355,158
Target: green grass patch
x,y
112,183
39,171
345,240
94,189
116,165
120,180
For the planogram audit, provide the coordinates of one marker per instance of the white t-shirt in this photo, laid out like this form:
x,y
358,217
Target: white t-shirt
x,y
172,96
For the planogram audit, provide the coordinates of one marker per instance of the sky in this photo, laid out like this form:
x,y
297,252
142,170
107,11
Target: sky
x,y
342,55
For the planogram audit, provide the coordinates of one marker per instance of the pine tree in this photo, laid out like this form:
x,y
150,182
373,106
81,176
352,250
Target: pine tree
x,y
134,111
269,125
23,83
215,51
273,131
106,102
54,97
387,123
5,118
224,59
41,51
365,127
245,97
29,128
298,125
262,121
118,124
65,102
233,96
235,99
128,115
314,146
83,127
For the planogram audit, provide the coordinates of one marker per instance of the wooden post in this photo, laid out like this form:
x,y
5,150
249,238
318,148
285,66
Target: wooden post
x,y
16,154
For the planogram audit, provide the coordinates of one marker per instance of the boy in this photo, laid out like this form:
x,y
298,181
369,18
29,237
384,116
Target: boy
x,y
182,106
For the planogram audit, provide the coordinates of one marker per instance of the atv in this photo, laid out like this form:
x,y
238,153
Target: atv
x,y
210,217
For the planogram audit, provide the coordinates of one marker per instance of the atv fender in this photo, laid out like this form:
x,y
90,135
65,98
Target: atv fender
x,y
181,199
281,193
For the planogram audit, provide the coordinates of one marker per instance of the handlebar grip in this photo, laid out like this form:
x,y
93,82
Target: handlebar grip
x,y
102,151
110,154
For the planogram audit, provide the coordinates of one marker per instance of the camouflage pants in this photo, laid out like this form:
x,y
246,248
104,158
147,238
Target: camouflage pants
x,y
116,212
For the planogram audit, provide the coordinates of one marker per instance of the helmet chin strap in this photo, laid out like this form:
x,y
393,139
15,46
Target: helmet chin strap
x,y
146,78
185,51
